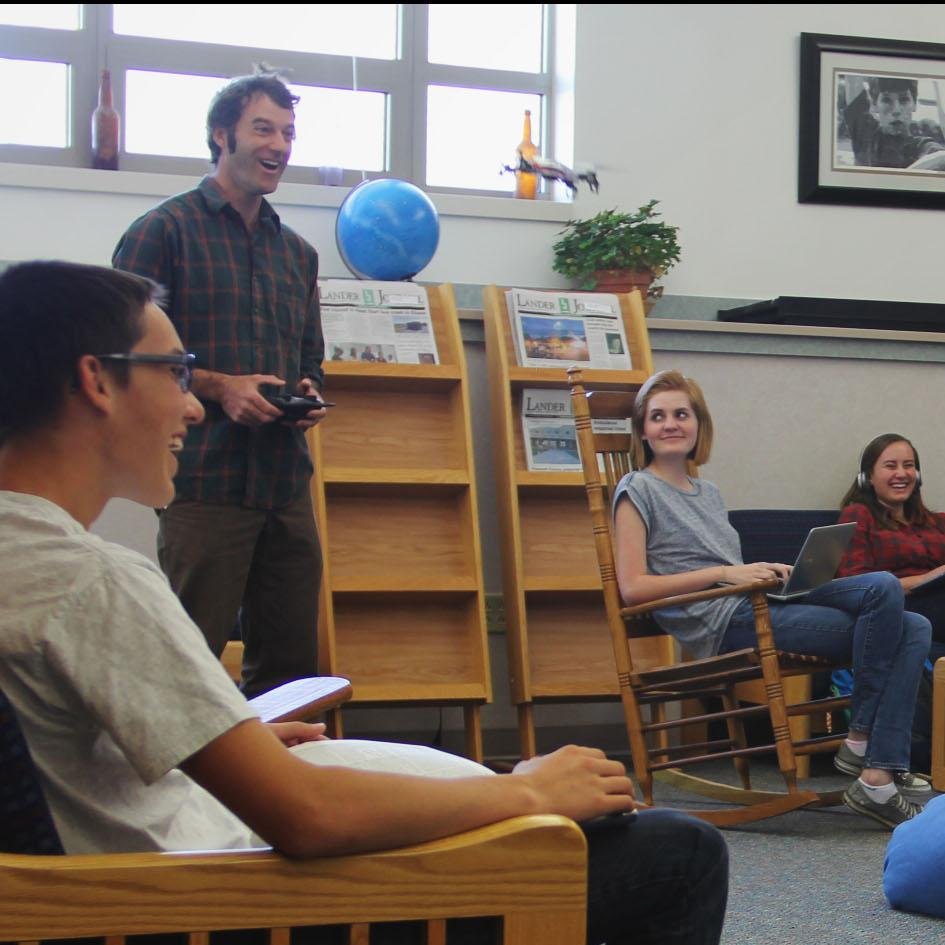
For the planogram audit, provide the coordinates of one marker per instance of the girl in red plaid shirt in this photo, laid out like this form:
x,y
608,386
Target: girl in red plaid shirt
x,y
895,531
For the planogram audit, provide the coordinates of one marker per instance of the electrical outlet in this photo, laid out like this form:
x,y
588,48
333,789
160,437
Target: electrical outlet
x,y
495,613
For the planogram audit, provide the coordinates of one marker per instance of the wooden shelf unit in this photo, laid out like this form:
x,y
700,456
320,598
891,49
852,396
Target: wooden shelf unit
x,y
556,626
402,610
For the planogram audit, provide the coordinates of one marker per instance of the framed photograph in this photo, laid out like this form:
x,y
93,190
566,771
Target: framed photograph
x,y
872,113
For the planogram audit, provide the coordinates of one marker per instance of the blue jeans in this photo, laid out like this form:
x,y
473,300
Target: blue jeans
x,y
857,620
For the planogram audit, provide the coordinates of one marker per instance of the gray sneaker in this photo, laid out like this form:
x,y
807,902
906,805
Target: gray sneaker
x,y
916,786
891,813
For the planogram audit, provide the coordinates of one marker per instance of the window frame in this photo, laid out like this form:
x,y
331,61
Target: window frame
x,y
404,80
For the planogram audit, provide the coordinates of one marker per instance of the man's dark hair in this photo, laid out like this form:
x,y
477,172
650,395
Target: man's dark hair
x,y
227,106
888,83
52,313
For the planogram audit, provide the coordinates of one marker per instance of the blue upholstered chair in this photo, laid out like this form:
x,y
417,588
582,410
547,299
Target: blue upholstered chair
x,y
26,826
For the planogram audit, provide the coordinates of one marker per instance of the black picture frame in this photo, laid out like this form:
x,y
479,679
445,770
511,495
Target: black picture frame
x,y
830,169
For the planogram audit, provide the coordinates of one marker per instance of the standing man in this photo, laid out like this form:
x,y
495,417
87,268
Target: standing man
x,y
239,542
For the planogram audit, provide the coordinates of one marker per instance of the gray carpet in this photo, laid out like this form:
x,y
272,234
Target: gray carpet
x,y
809,877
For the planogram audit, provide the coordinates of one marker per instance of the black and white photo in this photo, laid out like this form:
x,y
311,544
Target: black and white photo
x,y
872,113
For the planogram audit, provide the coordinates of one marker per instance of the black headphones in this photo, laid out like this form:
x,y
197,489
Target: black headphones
x,y
863,477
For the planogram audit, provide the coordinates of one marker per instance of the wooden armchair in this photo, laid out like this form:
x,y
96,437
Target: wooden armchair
x,y
938,725
659,745
529,871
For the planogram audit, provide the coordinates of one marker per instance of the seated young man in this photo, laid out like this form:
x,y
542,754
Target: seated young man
x,y
141,739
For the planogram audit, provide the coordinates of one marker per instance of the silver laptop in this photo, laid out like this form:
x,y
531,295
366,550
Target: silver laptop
x,y
818,560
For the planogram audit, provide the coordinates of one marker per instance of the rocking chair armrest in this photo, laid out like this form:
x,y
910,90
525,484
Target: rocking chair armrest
x,y
710,593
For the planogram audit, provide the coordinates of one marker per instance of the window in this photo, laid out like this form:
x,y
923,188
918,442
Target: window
x,y
486,36
41,118
296,27
458,158
56,16
432,93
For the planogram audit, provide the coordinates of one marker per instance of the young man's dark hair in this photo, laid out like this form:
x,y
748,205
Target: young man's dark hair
x,y
228,104
878,83
51,313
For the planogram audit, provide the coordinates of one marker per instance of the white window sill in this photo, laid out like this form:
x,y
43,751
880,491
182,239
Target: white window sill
x,y
159,186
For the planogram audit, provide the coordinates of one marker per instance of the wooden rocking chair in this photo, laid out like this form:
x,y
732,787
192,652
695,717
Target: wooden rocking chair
x,y
653,752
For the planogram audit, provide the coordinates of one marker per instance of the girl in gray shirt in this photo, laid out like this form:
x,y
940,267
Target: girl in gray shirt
x,y
672,536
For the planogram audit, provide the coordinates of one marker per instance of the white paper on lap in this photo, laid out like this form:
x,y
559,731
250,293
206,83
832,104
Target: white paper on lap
x,y
392,757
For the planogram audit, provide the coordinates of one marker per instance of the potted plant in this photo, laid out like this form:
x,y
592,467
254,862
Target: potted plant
x,y
614,251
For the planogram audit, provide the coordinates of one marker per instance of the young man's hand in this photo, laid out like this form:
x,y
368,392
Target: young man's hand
x,y
578,782
294,733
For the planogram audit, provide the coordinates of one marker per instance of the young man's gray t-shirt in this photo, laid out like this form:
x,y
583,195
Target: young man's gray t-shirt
x,y
114,686
685,531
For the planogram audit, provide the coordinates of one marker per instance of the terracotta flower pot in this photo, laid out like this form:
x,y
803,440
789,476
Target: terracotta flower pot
x,y
623,280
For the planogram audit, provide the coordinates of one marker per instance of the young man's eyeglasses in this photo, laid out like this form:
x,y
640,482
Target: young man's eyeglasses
x,y
182,365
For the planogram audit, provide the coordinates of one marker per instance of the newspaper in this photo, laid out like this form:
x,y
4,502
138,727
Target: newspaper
x,y
554,329
386,322
549,433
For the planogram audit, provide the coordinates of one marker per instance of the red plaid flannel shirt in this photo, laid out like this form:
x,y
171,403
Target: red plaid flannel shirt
x,y
906,550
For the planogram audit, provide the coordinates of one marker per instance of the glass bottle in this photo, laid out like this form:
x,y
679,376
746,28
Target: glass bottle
x,y
105,125
526,182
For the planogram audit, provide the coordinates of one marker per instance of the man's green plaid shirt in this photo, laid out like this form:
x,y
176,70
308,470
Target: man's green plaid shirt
x,y
243,303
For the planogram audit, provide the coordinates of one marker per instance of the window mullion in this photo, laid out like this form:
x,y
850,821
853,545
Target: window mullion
x,y
408,106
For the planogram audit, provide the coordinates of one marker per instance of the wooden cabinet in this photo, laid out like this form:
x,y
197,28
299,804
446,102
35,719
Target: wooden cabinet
x,y
402,609
558,642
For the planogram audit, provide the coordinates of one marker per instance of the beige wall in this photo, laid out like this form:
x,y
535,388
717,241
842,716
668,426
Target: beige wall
x,y
697,105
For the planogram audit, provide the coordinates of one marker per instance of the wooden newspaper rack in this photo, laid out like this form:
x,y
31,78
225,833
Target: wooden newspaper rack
x,y
559,647
402,607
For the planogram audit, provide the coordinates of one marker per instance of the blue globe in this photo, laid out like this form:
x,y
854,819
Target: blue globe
x,y
387,230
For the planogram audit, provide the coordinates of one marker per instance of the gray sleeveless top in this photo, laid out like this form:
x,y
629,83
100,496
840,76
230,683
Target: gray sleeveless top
x,y
685,531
